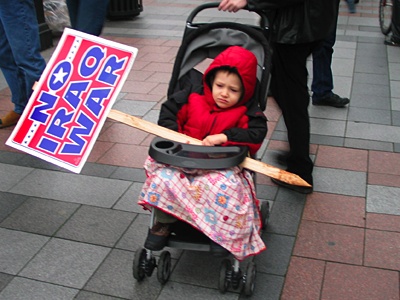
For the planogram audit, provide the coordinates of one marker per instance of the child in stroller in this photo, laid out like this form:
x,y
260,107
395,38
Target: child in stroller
x,y
219,203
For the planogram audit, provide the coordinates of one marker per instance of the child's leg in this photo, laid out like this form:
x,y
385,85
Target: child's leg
x,y
158,235
163,217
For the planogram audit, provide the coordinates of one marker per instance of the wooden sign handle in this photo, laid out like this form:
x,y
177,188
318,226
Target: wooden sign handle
x,y
248,163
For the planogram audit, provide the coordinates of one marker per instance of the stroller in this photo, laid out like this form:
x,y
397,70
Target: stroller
x,y
203,41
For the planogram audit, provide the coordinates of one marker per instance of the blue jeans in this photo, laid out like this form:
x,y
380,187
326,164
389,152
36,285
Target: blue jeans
x,y
322,84
351,5
20,58
87,15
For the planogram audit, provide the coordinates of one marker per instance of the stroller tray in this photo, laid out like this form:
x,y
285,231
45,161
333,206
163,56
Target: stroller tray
x,y
194,156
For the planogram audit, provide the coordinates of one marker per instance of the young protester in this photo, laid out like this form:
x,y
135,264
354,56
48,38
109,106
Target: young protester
x,y
220,203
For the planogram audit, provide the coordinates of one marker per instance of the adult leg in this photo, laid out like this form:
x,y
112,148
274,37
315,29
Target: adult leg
x,y
322,84
289,87
352,6
91,15
73,6
20,58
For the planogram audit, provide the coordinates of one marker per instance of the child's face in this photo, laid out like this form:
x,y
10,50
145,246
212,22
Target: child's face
x,y
226,89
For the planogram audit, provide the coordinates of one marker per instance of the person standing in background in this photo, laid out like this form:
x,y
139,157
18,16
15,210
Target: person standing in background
x,y
322,83
20,58
87,15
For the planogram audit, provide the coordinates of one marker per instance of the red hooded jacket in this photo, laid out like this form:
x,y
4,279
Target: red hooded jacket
x,y
243,124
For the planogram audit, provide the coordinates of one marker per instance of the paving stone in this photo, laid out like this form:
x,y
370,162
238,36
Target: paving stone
x,y
17,248
71,187
136,234
275,260
83,295
9,202
384,162
129,174
328,127
266,286
11,175
286,215
128,202
330,242
95,225
27,289
356,282
368,144
65,263
368,78
383,222
41,216
326,140
340,182
335,209
382,249
365,101
98,170
304,279
342,158
374,132
367,115
383,199
114,278
179,291
4,280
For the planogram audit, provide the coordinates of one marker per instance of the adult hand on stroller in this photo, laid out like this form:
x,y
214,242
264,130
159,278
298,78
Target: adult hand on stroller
x,y
232,5
215,139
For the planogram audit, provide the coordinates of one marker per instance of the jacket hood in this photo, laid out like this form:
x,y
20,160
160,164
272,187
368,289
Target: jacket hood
x,y
245,63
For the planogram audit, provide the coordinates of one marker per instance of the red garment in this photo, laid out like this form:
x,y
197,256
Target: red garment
x,y
201,116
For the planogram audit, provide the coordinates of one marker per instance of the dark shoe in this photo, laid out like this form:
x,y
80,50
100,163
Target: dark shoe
x,y
390,42
296,188
157,237
332,100
281,157
9,119
217,250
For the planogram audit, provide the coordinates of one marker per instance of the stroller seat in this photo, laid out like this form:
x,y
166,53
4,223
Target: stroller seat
x,y
203,41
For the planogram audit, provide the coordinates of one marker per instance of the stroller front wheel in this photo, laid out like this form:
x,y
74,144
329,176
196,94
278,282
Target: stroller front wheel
x,y
225,275
139,263
249,279
164,267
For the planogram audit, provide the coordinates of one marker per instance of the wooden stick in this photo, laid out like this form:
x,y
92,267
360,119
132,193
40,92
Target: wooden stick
x,y
248,163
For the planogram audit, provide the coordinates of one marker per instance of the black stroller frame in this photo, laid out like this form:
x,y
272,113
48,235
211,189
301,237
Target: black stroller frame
x,y
202,41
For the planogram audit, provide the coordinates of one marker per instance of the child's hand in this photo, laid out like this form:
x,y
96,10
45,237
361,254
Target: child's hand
x,y
215,139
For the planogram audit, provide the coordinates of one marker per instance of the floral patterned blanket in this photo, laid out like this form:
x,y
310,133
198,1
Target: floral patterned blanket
x,y
219,203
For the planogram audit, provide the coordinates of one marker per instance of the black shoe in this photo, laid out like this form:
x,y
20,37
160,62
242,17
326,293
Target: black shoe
x,y
281,157
332,100
217,250
390,42
158,236
296,188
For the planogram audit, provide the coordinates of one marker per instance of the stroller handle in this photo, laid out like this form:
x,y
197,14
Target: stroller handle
x,y
264,23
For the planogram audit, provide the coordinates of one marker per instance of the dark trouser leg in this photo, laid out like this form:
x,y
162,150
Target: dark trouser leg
x,y
322,84
289,87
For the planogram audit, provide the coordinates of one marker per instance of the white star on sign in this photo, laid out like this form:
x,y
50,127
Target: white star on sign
x,y
59,77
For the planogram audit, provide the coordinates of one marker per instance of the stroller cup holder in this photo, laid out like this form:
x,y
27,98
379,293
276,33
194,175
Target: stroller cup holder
x,y
195,156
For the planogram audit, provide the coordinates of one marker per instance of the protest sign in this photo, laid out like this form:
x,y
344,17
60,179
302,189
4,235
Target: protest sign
x,y
72,99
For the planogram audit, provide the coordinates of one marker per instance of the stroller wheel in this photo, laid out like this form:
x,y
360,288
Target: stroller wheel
x,y
139,263
249,279
264,214
164,267
225,274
